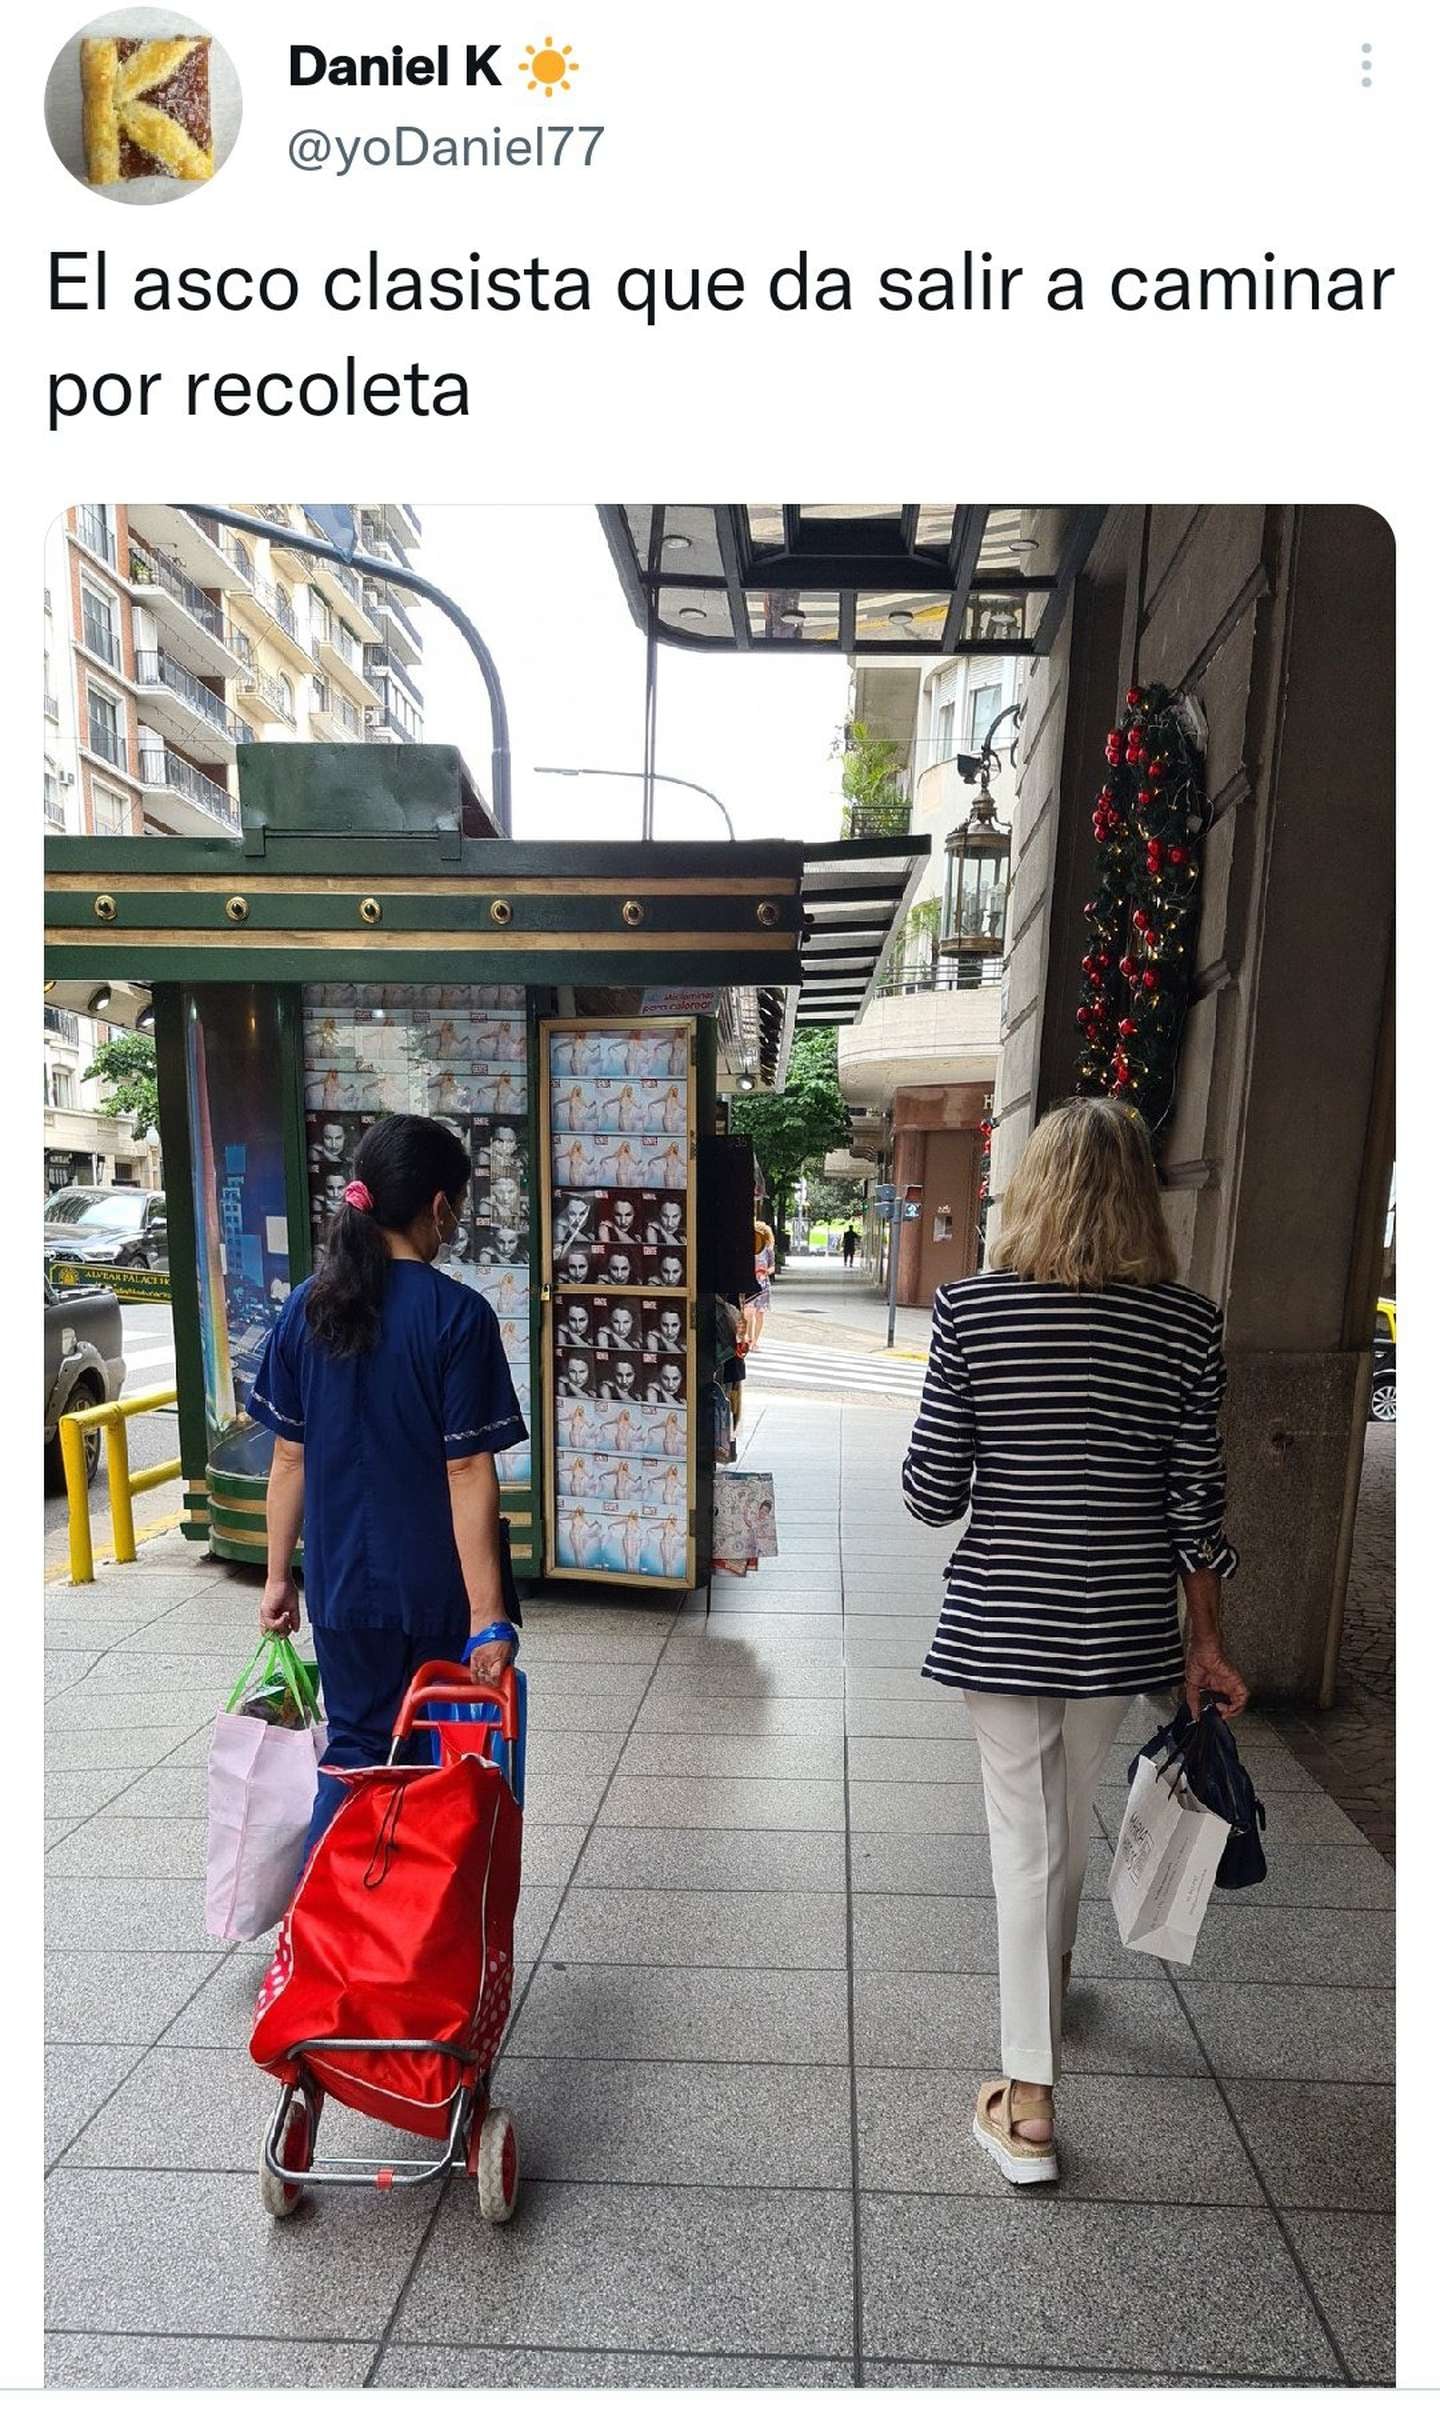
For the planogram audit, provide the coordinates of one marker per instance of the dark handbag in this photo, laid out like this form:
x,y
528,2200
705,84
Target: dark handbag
x,y
1207,1753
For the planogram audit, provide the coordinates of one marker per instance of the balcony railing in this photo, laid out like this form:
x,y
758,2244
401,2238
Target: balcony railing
x,y
101,639
397,718
388,603
382,667
341,574
107,743
328,628
255,680
54,804
152,567
156,667
63,1024
159,766
94,534
951,971
52,706
876,818
331,704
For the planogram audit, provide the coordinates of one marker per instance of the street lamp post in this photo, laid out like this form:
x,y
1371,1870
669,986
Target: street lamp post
x,y
647,777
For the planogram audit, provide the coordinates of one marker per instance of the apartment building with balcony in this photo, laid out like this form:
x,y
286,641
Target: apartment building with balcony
x,y
169,641
918,1068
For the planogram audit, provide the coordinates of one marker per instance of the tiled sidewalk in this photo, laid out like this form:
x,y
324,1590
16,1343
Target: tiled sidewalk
x,y
757,1955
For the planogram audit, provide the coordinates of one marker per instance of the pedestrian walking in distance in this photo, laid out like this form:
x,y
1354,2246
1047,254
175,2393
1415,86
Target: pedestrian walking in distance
x,y
849,1244
757,1305
386,1388
1069,1415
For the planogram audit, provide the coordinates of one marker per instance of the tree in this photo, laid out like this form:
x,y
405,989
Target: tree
x,y
800,1121
126,1063
872,782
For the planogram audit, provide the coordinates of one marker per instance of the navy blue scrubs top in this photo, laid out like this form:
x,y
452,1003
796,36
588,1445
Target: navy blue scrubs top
x,y
378,1430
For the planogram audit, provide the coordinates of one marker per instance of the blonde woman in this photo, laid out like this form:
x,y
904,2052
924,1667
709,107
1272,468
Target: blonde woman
x,y
1070,1409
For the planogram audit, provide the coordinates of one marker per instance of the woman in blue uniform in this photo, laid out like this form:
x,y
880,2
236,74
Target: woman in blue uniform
x,y
386,1388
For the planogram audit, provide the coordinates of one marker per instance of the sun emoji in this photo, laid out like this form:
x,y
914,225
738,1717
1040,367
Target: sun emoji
x,y
549,67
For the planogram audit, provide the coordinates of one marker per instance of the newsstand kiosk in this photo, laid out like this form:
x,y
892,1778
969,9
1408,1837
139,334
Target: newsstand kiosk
x,y
362,944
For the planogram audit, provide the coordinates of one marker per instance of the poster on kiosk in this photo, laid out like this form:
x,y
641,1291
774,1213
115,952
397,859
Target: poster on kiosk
x,y
618,1201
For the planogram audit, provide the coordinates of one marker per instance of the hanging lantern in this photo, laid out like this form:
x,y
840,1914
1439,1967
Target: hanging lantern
x,y
977,872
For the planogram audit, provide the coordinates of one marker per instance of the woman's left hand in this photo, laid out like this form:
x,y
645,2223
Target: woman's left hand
x,y
1208,1674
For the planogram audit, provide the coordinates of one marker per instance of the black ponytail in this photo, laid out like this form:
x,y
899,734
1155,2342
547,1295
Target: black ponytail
x,y
403,1161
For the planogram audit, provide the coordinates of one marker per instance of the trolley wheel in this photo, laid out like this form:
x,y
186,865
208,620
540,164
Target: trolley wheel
x,y
497,2166
281,2195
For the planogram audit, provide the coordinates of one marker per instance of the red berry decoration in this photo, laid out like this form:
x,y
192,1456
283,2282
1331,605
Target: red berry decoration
x,y
1127,968
1114,736
1149,979
1156,769
1134,697
1152,937
1145,797
1178,856
1127,1028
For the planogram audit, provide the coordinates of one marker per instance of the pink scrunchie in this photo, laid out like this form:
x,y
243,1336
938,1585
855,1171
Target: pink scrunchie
x,y
356,1196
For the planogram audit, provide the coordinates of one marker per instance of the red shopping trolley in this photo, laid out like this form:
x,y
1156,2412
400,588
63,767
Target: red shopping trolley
x,y
391,1980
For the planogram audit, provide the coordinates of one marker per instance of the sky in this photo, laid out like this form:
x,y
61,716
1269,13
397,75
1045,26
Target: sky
x,y
540,584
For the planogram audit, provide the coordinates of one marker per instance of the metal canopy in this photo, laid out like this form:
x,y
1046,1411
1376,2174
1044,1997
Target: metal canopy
x,y
855,895
877,581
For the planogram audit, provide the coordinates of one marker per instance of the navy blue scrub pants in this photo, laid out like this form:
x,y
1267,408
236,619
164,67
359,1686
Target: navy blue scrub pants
x,y
363,1676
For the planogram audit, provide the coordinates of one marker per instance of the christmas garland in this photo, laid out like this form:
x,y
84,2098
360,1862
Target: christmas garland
x,y
1150,817
982,1195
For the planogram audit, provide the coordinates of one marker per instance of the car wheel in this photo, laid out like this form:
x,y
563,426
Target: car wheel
x,y
1382,1401
84,1397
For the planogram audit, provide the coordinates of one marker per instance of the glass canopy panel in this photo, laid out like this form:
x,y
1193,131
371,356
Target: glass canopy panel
x,y
851,515
1002,617
901,616
1024,541
686,611
767,527
794,616
934,526
689,544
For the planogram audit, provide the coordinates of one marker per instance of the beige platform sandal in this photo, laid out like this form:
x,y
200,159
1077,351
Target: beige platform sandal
x,y
1000,2102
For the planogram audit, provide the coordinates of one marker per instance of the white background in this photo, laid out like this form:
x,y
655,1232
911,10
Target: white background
x,y
1089,135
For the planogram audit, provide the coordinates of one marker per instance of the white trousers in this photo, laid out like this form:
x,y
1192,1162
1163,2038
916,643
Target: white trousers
x,y
1040,1759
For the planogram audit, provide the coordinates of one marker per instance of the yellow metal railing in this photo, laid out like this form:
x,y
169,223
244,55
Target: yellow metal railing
x,y
125,1483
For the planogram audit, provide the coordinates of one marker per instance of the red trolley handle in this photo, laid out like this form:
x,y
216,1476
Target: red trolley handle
x,y
452,1685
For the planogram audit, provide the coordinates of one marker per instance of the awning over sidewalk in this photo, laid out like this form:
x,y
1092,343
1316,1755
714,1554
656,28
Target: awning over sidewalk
x,y
855,896
888,581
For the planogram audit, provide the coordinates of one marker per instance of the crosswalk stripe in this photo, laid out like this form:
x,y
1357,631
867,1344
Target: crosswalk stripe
x,y
837,1371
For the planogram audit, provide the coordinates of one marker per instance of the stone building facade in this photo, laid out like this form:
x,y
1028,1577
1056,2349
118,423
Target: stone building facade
x,y
1277,1159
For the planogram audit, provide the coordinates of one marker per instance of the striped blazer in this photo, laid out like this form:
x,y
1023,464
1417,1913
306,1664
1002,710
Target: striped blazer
x,y
1076,1435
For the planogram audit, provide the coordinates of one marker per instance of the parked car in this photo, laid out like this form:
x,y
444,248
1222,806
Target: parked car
x,y
84,1366
109,1225
1382,1372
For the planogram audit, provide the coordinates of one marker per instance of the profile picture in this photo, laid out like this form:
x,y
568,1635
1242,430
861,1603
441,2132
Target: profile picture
x,y
142,106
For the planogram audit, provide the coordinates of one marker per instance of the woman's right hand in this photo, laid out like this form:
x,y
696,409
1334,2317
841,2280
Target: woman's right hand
x,y
280,1607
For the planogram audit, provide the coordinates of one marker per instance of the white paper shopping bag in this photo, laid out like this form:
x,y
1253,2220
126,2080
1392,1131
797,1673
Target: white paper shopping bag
x,y
1165,1861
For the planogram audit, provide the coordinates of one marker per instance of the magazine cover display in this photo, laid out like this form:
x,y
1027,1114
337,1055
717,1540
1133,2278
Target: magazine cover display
x,y
457,1053
619,1143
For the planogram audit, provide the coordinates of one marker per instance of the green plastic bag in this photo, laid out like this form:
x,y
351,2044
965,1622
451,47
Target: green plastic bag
x,y
284,1668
